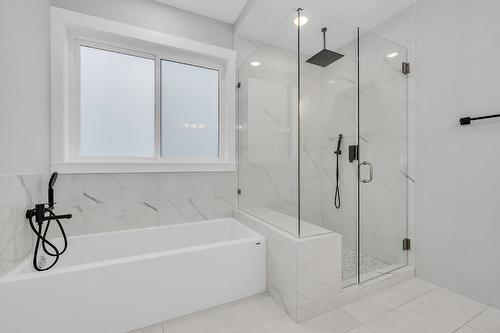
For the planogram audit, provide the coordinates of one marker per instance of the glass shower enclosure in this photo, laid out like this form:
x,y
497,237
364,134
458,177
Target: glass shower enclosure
x,y
324,148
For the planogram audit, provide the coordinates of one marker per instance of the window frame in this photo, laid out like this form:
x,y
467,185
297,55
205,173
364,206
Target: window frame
x,y
66,43
75,115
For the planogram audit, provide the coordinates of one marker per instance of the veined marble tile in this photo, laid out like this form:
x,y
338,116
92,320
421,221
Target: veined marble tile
x,y
303,275
17,194
319,263
116,202
109,202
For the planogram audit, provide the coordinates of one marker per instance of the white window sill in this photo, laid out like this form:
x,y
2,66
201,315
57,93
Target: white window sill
x,y
98,167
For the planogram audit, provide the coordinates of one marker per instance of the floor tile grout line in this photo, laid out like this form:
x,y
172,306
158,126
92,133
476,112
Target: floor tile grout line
x,y
448,316
458,329
414,298
397,306
352,329
465,324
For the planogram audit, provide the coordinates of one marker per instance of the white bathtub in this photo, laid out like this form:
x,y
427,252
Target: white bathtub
x,y
120,281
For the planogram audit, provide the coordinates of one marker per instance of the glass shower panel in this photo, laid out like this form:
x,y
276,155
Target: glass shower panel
x,y
382,113
268,127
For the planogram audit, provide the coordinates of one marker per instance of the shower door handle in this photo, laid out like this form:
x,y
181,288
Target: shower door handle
x,y
369,180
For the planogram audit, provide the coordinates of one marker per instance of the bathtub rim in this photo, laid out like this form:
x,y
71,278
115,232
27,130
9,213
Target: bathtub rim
x,y
15,274
167,226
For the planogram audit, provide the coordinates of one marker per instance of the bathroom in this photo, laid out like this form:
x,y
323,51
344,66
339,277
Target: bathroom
x,y
249,166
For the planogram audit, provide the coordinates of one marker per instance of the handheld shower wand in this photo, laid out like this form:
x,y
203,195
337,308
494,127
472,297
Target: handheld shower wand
x,y
52,182
336,199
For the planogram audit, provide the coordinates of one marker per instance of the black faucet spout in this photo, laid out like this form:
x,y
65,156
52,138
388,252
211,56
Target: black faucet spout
x,y
57,217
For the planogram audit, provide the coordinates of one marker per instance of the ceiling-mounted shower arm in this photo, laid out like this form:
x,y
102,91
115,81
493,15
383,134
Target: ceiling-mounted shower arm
x,y
323,30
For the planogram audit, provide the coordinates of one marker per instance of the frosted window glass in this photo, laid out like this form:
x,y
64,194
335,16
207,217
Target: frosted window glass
x,y
117,94
189,110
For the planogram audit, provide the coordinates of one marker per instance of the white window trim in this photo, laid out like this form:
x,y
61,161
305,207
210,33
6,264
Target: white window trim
x,y
69,30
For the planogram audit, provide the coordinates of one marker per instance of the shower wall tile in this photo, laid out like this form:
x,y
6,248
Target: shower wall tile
x,y
17,194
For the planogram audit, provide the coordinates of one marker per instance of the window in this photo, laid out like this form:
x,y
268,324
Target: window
x,y
127,99
117,104
189,110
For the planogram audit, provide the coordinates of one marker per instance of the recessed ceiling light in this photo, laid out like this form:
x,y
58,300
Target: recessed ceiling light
x,y
303,20
392,55
255,63
331,81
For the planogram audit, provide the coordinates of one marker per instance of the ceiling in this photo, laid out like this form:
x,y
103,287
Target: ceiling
x,y
272,21
222,10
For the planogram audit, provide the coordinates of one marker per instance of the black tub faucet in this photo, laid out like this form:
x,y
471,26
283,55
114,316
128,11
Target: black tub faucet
x,y
36,217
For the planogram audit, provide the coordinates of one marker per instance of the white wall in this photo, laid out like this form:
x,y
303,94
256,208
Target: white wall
x,y
24,86
458,168
98,202
25,59
156,16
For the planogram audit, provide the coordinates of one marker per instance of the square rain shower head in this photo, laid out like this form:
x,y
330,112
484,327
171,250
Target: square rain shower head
x,y
324,58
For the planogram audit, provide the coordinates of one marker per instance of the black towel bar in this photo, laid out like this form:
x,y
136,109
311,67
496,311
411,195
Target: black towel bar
x,y
467,120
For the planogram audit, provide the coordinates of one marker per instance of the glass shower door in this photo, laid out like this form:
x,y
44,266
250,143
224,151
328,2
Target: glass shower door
x,y
382,141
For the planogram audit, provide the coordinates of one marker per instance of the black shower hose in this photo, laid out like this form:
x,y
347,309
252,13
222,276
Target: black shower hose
x,y
41,236
336,200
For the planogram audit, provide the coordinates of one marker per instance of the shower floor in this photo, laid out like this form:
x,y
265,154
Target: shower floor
x,y
350,267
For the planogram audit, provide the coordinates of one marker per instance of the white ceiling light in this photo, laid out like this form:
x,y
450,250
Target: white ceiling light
x,y
255,63
392,55
303,20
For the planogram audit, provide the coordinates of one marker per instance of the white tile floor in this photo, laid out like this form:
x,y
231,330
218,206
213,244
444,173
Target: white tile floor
x,y
414,306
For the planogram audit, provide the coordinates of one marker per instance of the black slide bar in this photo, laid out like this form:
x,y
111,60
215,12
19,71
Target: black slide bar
x,y
467,120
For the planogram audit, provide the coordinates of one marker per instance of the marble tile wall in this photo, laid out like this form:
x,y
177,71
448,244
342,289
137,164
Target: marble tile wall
x,y
104,202
303,275
17,194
